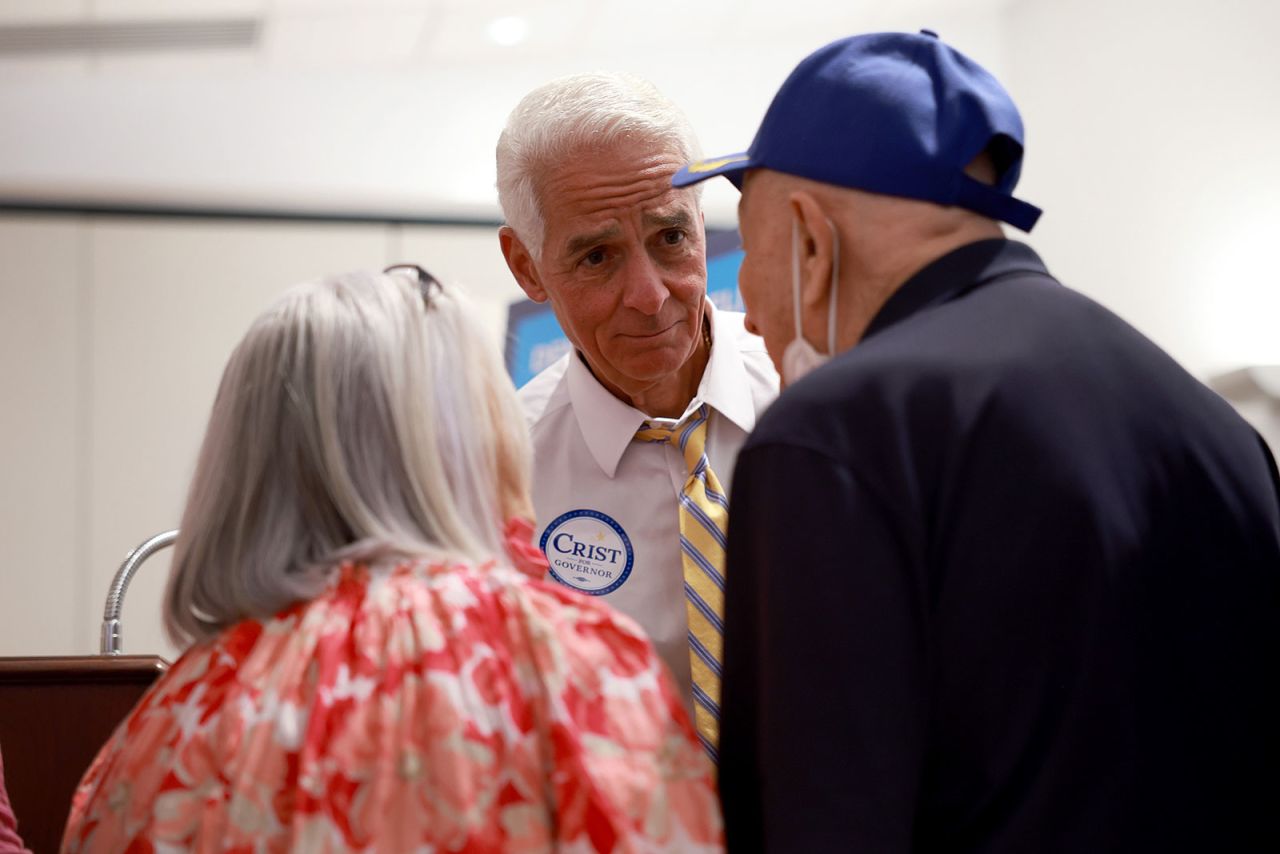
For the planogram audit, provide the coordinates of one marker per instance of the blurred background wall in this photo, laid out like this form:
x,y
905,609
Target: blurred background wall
x,y
168,166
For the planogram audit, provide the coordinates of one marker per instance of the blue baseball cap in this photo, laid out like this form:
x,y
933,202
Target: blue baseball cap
x,y
894,113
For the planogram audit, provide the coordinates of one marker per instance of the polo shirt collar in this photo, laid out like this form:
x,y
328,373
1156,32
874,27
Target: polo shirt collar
x,y
608,424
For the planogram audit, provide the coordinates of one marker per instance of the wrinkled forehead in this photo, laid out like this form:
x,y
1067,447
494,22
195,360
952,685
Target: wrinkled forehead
x,y
619,185
600,170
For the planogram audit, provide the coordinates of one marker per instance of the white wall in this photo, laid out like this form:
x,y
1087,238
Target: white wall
x,y
43,454
1153,127
114,333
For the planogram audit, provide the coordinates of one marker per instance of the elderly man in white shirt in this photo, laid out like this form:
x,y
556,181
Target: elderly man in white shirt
x,y
636,430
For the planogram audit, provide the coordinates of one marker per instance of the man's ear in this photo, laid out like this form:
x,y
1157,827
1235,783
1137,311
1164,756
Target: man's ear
x,y
521,265
817,245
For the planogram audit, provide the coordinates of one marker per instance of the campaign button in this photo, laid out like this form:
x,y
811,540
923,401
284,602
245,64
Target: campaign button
x,y
588,551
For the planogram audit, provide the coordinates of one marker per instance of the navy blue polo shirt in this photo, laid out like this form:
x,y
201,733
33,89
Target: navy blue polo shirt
x,y
1002,578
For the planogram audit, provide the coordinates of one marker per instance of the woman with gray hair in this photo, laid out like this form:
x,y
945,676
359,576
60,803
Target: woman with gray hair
x,y
375,661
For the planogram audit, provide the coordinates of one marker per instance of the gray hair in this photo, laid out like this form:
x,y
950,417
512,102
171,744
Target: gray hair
x,y
351,423
565,114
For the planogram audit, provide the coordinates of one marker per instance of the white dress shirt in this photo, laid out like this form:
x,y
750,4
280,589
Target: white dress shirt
x,y
607,507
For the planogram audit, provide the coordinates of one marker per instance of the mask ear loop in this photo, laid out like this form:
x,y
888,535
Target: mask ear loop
x,y
835,281
795,272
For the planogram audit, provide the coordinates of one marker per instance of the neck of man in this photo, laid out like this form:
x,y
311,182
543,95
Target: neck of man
x,y
670,396
911,250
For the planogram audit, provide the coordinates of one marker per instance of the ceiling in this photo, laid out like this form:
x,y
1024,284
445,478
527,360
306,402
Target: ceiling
x,y
377,106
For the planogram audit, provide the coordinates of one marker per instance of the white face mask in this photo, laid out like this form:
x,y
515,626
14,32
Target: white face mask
x,y
801,357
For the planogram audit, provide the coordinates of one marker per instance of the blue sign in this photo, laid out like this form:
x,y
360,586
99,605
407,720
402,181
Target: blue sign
x,y
722,280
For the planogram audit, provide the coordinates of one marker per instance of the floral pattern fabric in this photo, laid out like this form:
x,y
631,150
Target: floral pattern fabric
x,y
419,708
10,842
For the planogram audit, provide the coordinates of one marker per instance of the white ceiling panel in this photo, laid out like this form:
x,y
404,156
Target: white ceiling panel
x,y
665,21
41,11
336,38
141,9
465,31
292,7
386,105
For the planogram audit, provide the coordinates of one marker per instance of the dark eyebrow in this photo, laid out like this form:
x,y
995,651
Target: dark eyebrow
x,y
675,219
587,241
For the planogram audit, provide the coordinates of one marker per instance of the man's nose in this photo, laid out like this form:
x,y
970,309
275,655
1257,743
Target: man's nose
x,y
643,287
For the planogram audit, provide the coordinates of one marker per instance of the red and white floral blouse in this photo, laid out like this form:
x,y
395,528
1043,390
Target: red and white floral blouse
x,y
421,708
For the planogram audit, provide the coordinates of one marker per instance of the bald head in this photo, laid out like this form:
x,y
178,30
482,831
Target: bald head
x,y
891,237
868,244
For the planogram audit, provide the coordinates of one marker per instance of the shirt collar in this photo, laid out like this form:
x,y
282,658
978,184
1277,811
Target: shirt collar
x,y
608,424
956,273
725,386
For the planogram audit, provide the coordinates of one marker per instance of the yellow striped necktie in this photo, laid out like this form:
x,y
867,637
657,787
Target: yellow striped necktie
x,y
704,520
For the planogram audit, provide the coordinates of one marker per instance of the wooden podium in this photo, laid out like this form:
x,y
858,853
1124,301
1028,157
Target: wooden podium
x,y
55,714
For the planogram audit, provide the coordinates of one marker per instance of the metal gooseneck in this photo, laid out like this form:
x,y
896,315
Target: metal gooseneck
x,y
110,644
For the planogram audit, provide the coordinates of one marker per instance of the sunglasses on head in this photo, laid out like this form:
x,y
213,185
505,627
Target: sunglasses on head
x,y
427,283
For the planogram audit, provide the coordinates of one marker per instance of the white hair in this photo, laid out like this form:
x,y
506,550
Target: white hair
x,y
553,120
359,419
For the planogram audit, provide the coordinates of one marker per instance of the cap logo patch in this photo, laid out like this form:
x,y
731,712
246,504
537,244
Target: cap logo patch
x,y
710,165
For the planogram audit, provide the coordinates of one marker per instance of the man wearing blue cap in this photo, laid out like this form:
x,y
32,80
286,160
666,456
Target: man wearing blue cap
x,y
1002,576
